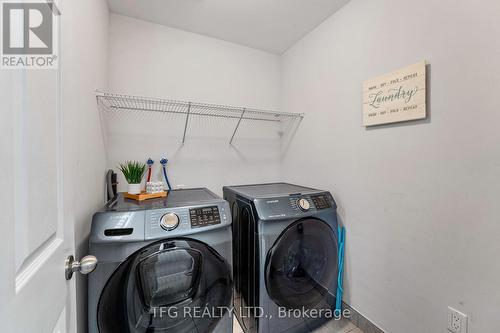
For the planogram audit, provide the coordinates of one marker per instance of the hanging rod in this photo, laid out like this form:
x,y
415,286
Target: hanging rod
x,y
120,102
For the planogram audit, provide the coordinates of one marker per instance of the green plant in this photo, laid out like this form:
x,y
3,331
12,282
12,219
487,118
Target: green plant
x,y
133,171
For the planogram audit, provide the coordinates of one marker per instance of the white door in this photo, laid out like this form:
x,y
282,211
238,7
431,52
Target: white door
x,y
35,237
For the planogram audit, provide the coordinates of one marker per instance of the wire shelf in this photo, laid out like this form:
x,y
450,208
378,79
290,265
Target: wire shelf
x,y
121,103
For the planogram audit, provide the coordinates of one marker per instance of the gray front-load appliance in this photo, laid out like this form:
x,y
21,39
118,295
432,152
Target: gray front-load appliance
x,y
164,265
285,256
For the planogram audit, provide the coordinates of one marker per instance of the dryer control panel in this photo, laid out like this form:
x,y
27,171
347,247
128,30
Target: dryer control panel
x,y
305,203
294,206
321,201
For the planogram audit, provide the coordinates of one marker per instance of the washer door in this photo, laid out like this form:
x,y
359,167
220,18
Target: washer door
x,y
175,285
301,266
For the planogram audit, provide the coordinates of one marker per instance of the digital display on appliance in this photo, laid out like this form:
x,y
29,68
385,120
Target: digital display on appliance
x,y
204,216
321,201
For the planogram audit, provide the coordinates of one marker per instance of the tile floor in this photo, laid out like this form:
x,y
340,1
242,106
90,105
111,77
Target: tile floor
x,y
334,326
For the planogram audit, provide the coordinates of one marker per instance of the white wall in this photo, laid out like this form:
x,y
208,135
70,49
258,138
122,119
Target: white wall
x,y
147,59
420,200
84,68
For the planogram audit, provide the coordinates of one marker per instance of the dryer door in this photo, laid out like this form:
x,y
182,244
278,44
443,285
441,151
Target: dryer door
x,y
175,285
301,266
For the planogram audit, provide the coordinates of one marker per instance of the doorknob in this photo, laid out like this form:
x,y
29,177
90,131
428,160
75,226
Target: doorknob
x,y
84,266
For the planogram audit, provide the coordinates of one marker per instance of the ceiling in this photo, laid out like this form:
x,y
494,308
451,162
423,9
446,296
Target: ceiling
x,y
269,25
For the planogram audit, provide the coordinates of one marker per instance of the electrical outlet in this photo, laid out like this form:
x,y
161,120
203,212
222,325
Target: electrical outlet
x,y
457,321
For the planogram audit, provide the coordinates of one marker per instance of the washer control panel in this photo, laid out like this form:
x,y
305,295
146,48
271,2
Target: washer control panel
x,y
204,216
179,221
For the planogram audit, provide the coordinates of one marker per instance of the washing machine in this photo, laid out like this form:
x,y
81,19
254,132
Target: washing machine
x,y
164,265
285,256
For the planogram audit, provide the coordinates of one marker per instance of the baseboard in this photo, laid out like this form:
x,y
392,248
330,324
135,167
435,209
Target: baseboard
x,y
360,321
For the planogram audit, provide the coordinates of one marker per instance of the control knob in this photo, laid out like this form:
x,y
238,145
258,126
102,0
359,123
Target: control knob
x,y
169,221
303,204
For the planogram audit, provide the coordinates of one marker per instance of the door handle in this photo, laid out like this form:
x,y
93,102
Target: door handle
x,y
84,266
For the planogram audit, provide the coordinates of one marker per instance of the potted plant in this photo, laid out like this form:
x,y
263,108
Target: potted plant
x,y
133,172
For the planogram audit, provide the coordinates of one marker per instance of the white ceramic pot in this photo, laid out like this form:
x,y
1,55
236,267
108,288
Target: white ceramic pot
x,y
134,188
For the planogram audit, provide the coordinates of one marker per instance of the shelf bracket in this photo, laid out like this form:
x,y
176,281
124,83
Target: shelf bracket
x,y
186,123
237,125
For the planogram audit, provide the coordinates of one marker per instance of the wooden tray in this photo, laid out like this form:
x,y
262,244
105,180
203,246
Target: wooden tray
x,y
144,196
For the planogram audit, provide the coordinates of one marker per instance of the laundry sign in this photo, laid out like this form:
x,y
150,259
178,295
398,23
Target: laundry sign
x,y
398,96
